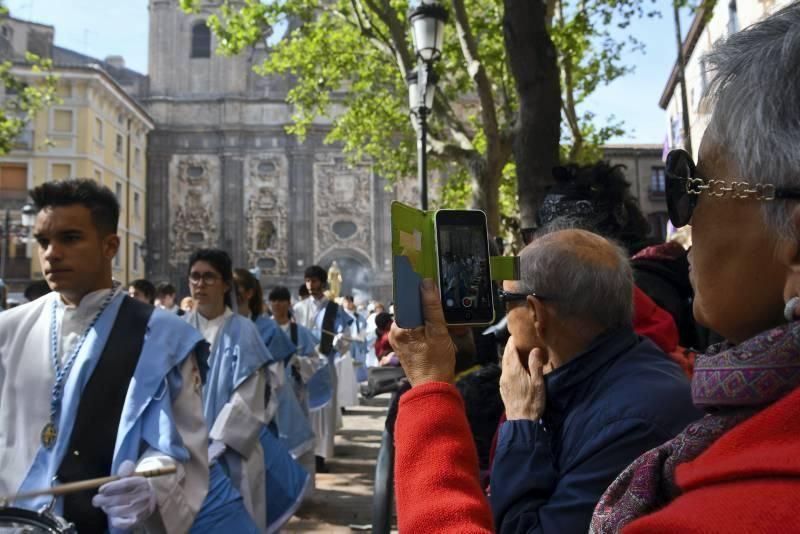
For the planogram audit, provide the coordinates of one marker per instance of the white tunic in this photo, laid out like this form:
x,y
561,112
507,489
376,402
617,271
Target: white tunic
x,y
324,420
26,381
239,424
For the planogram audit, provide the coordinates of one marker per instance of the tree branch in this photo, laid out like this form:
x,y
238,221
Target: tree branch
x,y
469,49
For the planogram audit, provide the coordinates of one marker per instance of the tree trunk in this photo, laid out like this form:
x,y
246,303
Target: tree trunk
x,y
534,64
486,191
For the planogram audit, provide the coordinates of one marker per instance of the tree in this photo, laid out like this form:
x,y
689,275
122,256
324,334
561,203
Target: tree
x,y
495,128
23,100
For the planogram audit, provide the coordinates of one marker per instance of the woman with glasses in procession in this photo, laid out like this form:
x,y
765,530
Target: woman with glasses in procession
x,y
235,399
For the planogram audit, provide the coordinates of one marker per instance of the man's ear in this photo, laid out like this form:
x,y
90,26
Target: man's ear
x,y
111,246
539,316
789,252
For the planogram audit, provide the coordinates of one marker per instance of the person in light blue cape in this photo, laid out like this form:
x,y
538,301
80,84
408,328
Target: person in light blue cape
x,y
56,350
359,334
289,430
235,397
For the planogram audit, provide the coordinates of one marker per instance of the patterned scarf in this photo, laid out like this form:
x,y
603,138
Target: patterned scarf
x,y
731,383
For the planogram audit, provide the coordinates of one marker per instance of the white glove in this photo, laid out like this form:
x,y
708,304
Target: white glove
x,y
215,450
127,501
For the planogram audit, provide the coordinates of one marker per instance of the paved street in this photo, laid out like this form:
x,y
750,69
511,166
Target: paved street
x,y
342,502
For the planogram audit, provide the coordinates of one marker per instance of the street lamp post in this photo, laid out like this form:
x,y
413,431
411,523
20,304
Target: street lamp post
x,y
427,33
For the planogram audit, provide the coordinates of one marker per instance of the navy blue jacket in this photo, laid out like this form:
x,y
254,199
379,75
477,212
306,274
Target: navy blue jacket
x,y
620,398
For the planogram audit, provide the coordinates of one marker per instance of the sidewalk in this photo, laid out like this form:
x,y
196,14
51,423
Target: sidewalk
x,y
343,497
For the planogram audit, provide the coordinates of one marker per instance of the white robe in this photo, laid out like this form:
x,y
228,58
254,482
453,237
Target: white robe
x,y
236,422
324,420
26,382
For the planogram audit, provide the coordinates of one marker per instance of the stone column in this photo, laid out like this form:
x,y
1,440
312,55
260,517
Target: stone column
x,y
157,232
301,210
232,235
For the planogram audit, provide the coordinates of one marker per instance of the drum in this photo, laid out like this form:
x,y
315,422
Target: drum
x,y
22,521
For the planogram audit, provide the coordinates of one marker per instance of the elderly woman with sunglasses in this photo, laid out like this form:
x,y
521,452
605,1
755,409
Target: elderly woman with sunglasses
x,y
738,468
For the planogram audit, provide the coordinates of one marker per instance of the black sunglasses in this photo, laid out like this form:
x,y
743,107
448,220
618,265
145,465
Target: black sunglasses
x,y
683,188
507,297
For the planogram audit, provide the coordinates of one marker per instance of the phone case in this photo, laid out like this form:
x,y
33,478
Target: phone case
x,y
413,259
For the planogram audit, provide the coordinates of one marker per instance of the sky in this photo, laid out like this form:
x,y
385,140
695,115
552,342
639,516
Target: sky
x,y
101,28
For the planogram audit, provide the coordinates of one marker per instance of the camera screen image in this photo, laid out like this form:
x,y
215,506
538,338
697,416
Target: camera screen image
x,y
464,267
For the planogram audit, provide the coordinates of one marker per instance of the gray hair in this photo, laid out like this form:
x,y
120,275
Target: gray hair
x,y
584,284
755,90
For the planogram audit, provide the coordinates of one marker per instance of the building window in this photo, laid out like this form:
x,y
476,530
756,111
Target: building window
x,y
13,182
118,148
657,180
676,131
98,129
120,118
201,40
98,176
62,120
703,75
118,192
137,157
117,261
64,90
136,205
658,225
60,171
136,256
733,18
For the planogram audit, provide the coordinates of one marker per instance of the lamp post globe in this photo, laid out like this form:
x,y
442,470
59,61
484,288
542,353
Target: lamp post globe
x,y
28,216
427,30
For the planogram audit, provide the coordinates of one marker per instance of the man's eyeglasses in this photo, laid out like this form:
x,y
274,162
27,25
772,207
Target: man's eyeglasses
x,y
507,297
683,187
208,278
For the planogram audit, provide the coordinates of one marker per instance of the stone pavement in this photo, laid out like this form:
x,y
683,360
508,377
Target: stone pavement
x,y
342,501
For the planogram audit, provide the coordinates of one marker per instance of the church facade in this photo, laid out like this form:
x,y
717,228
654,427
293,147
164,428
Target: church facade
x,y
223,172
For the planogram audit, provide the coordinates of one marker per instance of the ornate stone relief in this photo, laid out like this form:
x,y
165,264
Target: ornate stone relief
x,y
194,193
342,206
266,200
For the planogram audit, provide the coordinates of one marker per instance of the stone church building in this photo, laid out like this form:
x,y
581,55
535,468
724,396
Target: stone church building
x,y
223,172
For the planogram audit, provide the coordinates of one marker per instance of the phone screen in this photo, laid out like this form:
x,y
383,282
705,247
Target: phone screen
x,y
464,277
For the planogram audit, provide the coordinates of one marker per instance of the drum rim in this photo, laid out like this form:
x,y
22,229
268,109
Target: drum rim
x,y
53,523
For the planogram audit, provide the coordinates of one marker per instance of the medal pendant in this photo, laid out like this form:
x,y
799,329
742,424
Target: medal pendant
x,y
49,435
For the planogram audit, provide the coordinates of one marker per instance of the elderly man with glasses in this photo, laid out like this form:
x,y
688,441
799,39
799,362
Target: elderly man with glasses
x,y
584,395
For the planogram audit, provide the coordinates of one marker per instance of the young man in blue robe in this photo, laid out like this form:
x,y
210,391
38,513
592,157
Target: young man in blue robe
x,y
235,397
329,325
94,383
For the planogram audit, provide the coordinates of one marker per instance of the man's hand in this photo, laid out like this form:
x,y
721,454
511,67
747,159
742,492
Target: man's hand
x,y
522,390
427,353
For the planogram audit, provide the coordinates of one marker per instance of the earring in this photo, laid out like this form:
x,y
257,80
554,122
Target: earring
x,y
789,309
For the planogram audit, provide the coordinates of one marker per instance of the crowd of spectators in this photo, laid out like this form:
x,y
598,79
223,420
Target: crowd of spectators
x,y
623,412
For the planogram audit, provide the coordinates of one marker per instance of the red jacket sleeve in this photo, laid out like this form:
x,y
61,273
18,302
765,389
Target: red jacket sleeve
x,y
436,465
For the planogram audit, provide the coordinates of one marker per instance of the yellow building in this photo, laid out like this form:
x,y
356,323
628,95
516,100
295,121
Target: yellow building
x,y
97,131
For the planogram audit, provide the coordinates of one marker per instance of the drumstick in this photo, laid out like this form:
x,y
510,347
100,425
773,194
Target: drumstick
x,y
88,484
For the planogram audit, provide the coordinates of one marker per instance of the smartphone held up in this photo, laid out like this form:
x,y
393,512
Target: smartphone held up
x,y
462,251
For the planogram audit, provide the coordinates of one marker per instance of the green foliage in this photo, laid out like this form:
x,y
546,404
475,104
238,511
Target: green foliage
x,y
589,57
24,100
348,59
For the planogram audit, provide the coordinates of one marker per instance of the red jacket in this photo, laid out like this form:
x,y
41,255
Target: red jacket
x,y
747,481
436,465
